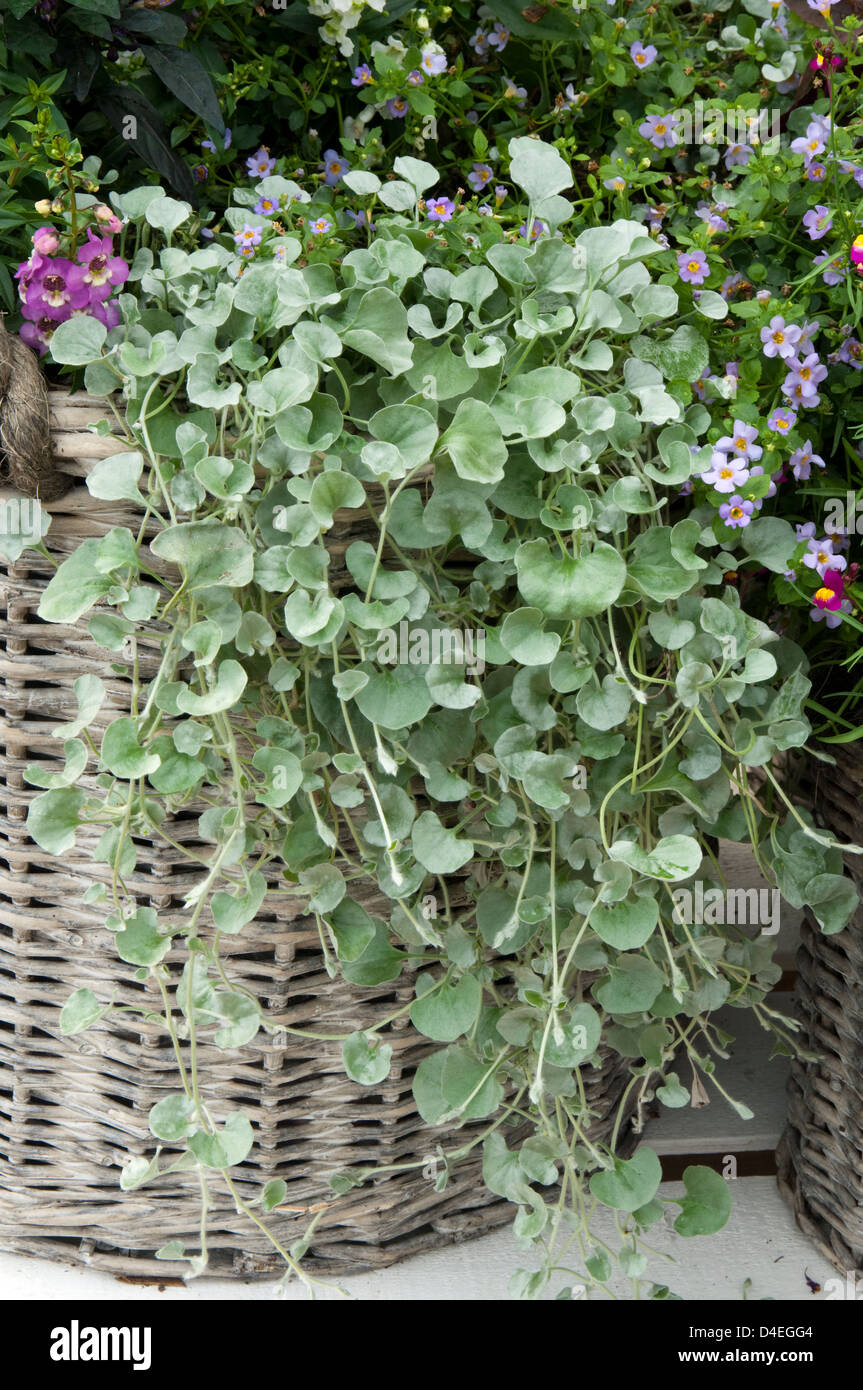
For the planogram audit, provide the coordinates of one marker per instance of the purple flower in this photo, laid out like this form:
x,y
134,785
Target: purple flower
x,y
260,164
692,267
500,194
805,530
807,333
730,284
851,352
779,338
807,374
397,107
815,172
810,144
440,209
433,60
320,227
512,91
802,459
247,239
361,219
499,36
737,512
104,271
532,232
725,474
661,131
200,173
741,443
265,207
782,420
415,78
835,270
479,42
821,557
642,57
831,618
479,176
738,154
818,221
334,167
616,185
711,216
362,76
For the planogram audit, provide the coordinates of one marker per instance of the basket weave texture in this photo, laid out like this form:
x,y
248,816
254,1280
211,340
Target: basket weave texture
x,y
72,1109
820,1157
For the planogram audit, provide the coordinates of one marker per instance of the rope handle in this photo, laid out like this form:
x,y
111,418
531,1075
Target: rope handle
x,y
26,460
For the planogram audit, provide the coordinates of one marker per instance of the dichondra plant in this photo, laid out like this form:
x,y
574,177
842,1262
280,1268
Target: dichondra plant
x,y
511,419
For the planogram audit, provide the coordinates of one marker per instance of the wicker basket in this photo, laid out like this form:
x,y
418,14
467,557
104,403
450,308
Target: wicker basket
x,y
73,1108
820,1157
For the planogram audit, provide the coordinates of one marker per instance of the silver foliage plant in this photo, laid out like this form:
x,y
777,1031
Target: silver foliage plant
x,y
516,421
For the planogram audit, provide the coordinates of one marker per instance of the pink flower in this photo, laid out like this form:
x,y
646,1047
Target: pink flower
x,y
46,242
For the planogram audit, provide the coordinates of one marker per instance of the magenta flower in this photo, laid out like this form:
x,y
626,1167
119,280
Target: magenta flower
x,y
692,267
440,209
46,241
103,270
260,164
642,57
818,221
831,593
737,511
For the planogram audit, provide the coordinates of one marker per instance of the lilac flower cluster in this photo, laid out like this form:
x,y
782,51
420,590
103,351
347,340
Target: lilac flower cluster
x,y
822,557
733,464
791,343
53,288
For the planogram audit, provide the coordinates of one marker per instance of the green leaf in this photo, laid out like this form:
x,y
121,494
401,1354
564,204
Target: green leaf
x,y
566,586
446,1012
379,963
81,1010
707,1205
474,443
90,694
626,925
232,911
223,695
522,636
227,1147
770,540
367,1060
631,986
140,942
173,1118
123,755
603,707
582,1031
54,817
274,1194
208,552
438,849
630,1184
454,1083
77,584
538,169
834,899
675,857
326,886
395,699
77,341
115,479
352,928
284,773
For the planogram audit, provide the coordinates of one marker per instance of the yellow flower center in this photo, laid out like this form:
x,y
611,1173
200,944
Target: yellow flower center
x,y
740,443
736,512
825,595
778,337
661,128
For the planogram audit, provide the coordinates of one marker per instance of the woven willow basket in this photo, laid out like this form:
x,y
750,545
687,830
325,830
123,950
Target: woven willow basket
x,y
73,1108
820,1157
